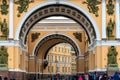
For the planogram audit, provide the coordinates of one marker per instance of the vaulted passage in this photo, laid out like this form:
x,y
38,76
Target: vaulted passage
x,y
58,10
48,42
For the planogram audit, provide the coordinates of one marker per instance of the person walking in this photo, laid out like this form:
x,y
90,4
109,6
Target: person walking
x,y
116,76
80,78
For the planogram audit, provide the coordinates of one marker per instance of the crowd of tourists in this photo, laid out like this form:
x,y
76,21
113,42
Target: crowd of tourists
x,y
99,76
89,76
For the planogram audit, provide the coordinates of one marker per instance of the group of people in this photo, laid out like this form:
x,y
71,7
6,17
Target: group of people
x,y
6,78
99,76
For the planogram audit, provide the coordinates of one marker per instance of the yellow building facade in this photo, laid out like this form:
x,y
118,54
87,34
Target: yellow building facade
x,y
61,60
28,35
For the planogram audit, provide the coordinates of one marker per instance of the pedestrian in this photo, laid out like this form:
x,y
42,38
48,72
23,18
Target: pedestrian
x,y
104,77
116,76
0,78
80,78
5,78
111,78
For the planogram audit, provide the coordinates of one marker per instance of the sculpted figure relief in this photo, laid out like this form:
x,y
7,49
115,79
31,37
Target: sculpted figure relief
x,y
110,28
4,7
3,55
112,55
4,28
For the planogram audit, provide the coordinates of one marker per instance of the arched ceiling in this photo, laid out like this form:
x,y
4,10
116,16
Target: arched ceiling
x,y
48,42
57,10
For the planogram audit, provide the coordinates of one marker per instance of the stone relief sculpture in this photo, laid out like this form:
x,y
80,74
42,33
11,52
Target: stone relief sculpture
x,y
3,55
78,36
34,36
92,6
110,28
4,28
23,6
112,55
4,7
110,7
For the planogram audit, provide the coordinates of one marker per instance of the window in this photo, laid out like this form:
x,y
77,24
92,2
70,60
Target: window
x,y
59,57
48,68
52,68
62,49
59,49
66,69
62,58
51,57
62,69
55,49
48,57
69,69
55,57
68,59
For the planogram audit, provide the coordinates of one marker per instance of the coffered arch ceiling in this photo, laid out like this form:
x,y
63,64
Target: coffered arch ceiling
x,y
49,41
58,10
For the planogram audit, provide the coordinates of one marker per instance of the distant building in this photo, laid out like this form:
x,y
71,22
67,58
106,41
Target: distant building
x,y
61,60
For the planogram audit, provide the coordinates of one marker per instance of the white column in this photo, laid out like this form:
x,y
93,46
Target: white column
x,y
103,19
117,20
11,20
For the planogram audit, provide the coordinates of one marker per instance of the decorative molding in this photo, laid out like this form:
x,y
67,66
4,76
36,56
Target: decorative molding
x,y
23,6
60,38
92,6
78,47
98,69
110,7
16,70
58,10
65,2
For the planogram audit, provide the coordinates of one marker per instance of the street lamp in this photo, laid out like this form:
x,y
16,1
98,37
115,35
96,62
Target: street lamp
x,y
57,66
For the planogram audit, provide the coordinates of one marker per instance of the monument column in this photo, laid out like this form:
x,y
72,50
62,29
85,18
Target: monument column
x,y
103,19
11,20
117,20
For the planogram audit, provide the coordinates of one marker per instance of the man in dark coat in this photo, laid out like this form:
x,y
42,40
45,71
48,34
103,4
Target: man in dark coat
x,y
116,76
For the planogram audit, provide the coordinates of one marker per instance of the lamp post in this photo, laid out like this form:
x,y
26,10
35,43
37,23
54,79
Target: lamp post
x,y
57,68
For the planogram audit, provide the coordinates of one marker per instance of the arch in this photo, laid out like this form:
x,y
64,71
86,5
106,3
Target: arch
x,y
89,21
61,38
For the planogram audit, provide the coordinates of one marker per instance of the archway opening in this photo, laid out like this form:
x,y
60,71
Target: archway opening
x,y
58,10
61,62
51,31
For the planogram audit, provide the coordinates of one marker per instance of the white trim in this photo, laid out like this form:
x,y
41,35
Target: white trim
x,y
117,20
98,69
108,43
53,34
80,72
54,2
9,43
103,19
11,20
17,70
